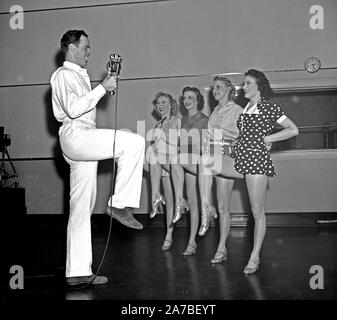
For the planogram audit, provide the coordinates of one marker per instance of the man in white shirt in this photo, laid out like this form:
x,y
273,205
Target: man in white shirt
x,y
83,145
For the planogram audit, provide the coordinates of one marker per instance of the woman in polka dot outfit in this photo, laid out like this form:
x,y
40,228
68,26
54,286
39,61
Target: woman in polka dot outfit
x,y
251,158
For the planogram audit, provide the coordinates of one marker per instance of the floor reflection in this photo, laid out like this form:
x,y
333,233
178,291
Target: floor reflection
x,y
223,281
79,295
254,282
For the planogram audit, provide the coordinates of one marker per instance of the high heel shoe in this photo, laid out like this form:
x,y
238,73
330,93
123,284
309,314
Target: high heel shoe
x,y
179,210
220,256
191,248
155,204
252,266
166,245
206,218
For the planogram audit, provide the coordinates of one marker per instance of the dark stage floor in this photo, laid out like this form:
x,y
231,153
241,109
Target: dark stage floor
x,y
139,270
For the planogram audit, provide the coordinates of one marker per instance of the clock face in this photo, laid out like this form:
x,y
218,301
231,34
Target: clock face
x,y
312,64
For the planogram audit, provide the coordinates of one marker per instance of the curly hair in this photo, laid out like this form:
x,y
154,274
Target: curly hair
x,y
262,82
200,97
173,102
228,84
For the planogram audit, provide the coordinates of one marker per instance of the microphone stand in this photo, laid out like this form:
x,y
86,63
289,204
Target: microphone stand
x,y
115,93
114,68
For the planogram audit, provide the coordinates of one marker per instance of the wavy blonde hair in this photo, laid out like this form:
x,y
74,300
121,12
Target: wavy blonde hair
x,y
173,102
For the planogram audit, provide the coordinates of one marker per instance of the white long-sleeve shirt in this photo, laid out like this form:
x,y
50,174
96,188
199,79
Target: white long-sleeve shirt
x,y
72,96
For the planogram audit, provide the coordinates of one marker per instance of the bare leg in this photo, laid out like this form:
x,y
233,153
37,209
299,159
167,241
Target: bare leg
x,y
155,163
178,179
205,187
224,191
155,174
168,194
192,197
257,188
209,166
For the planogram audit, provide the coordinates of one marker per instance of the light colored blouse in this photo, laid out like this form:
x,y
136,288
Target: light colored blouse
x,y
224,118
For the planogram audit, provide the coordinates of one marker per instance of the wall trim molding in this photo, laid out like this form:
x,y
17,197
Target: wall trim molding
x,y
281,80
119,3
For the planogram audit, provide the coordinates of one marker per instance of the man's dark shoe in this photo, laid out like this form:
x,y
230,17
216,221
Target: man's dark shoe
x,y
124,216
77,281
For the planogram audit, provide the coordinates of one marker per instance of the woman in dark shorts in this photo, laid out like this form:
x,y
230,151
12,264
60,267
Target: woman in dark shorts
x,y
186,163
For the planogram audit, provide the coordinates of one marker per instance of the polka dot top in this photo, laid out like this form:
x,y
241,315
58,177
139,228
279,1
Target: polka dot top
x,y
250,152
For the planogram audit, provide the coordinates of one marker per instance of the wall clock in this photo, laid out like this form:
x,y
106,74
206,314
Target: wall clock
x,y
312,64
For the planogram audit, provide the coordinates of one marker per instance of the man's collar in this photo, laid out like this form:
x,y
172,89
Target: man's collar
x,y
73,66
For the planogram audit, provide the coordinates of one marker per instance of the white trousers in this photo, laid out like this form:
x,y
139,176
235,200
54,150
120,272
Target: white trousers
x,y
82,146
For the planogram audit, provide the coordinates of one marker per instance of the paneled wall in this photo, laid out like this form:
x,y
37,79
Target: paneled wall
x,y
166,45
